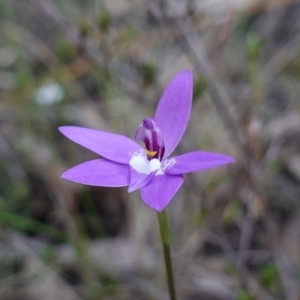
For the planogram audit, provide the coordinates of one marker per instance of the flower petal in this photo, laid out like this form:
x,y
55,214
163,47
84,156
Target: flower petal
x,y
197,161
138,180
160,190
112,146
173,111
99,172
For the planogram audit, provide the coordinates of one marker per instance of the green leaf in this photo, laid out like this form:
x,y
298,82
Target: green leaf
x,y
268,276
243,295
26,224
253,46
200,86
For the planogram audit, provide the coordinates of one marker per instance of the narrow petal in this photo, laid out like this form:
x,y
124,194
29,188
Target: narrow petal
x,y
112,146
174,108
197,161
160,190
138,180
99,172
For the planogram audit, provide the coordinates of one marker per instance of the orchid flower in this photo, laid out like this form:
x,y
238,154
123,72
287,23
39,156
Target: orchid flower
x,y
150,169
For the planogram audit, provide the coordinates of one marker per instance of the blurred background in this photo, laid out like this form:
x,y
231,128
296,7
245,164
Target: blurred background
x,y
103,64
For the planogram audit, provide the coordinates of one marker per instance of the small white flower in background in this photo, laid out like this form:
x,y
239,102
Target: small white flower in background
x,y
49,94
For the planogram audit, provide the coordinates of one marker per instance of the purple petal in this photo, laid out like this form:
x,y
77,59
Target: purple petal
x,y
138,180
173,111
112,146
160,190
99,172
197,161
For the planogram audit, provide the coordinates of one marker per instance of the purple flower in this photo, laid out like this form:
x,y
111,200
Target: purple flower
x,y
126,163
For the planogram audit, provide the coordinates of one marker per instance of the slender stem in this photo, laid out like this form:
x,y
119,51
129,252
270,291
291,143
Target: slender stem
x,y
164,227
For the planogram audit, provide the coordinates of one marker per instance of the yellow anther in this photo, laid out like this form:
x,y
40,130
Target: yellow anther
x,y
150,153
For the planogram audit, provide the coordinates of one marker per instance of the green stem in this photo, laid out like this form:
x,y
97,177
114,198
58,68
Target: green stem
x,y
164,227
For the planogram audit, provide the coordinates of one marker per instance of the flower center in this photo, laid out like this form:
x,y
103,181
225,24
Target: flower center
x,y
142,165
149,133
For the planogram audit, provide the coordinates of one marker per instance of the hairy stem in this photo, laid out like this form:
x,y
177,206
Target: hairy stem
x,y
165,237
